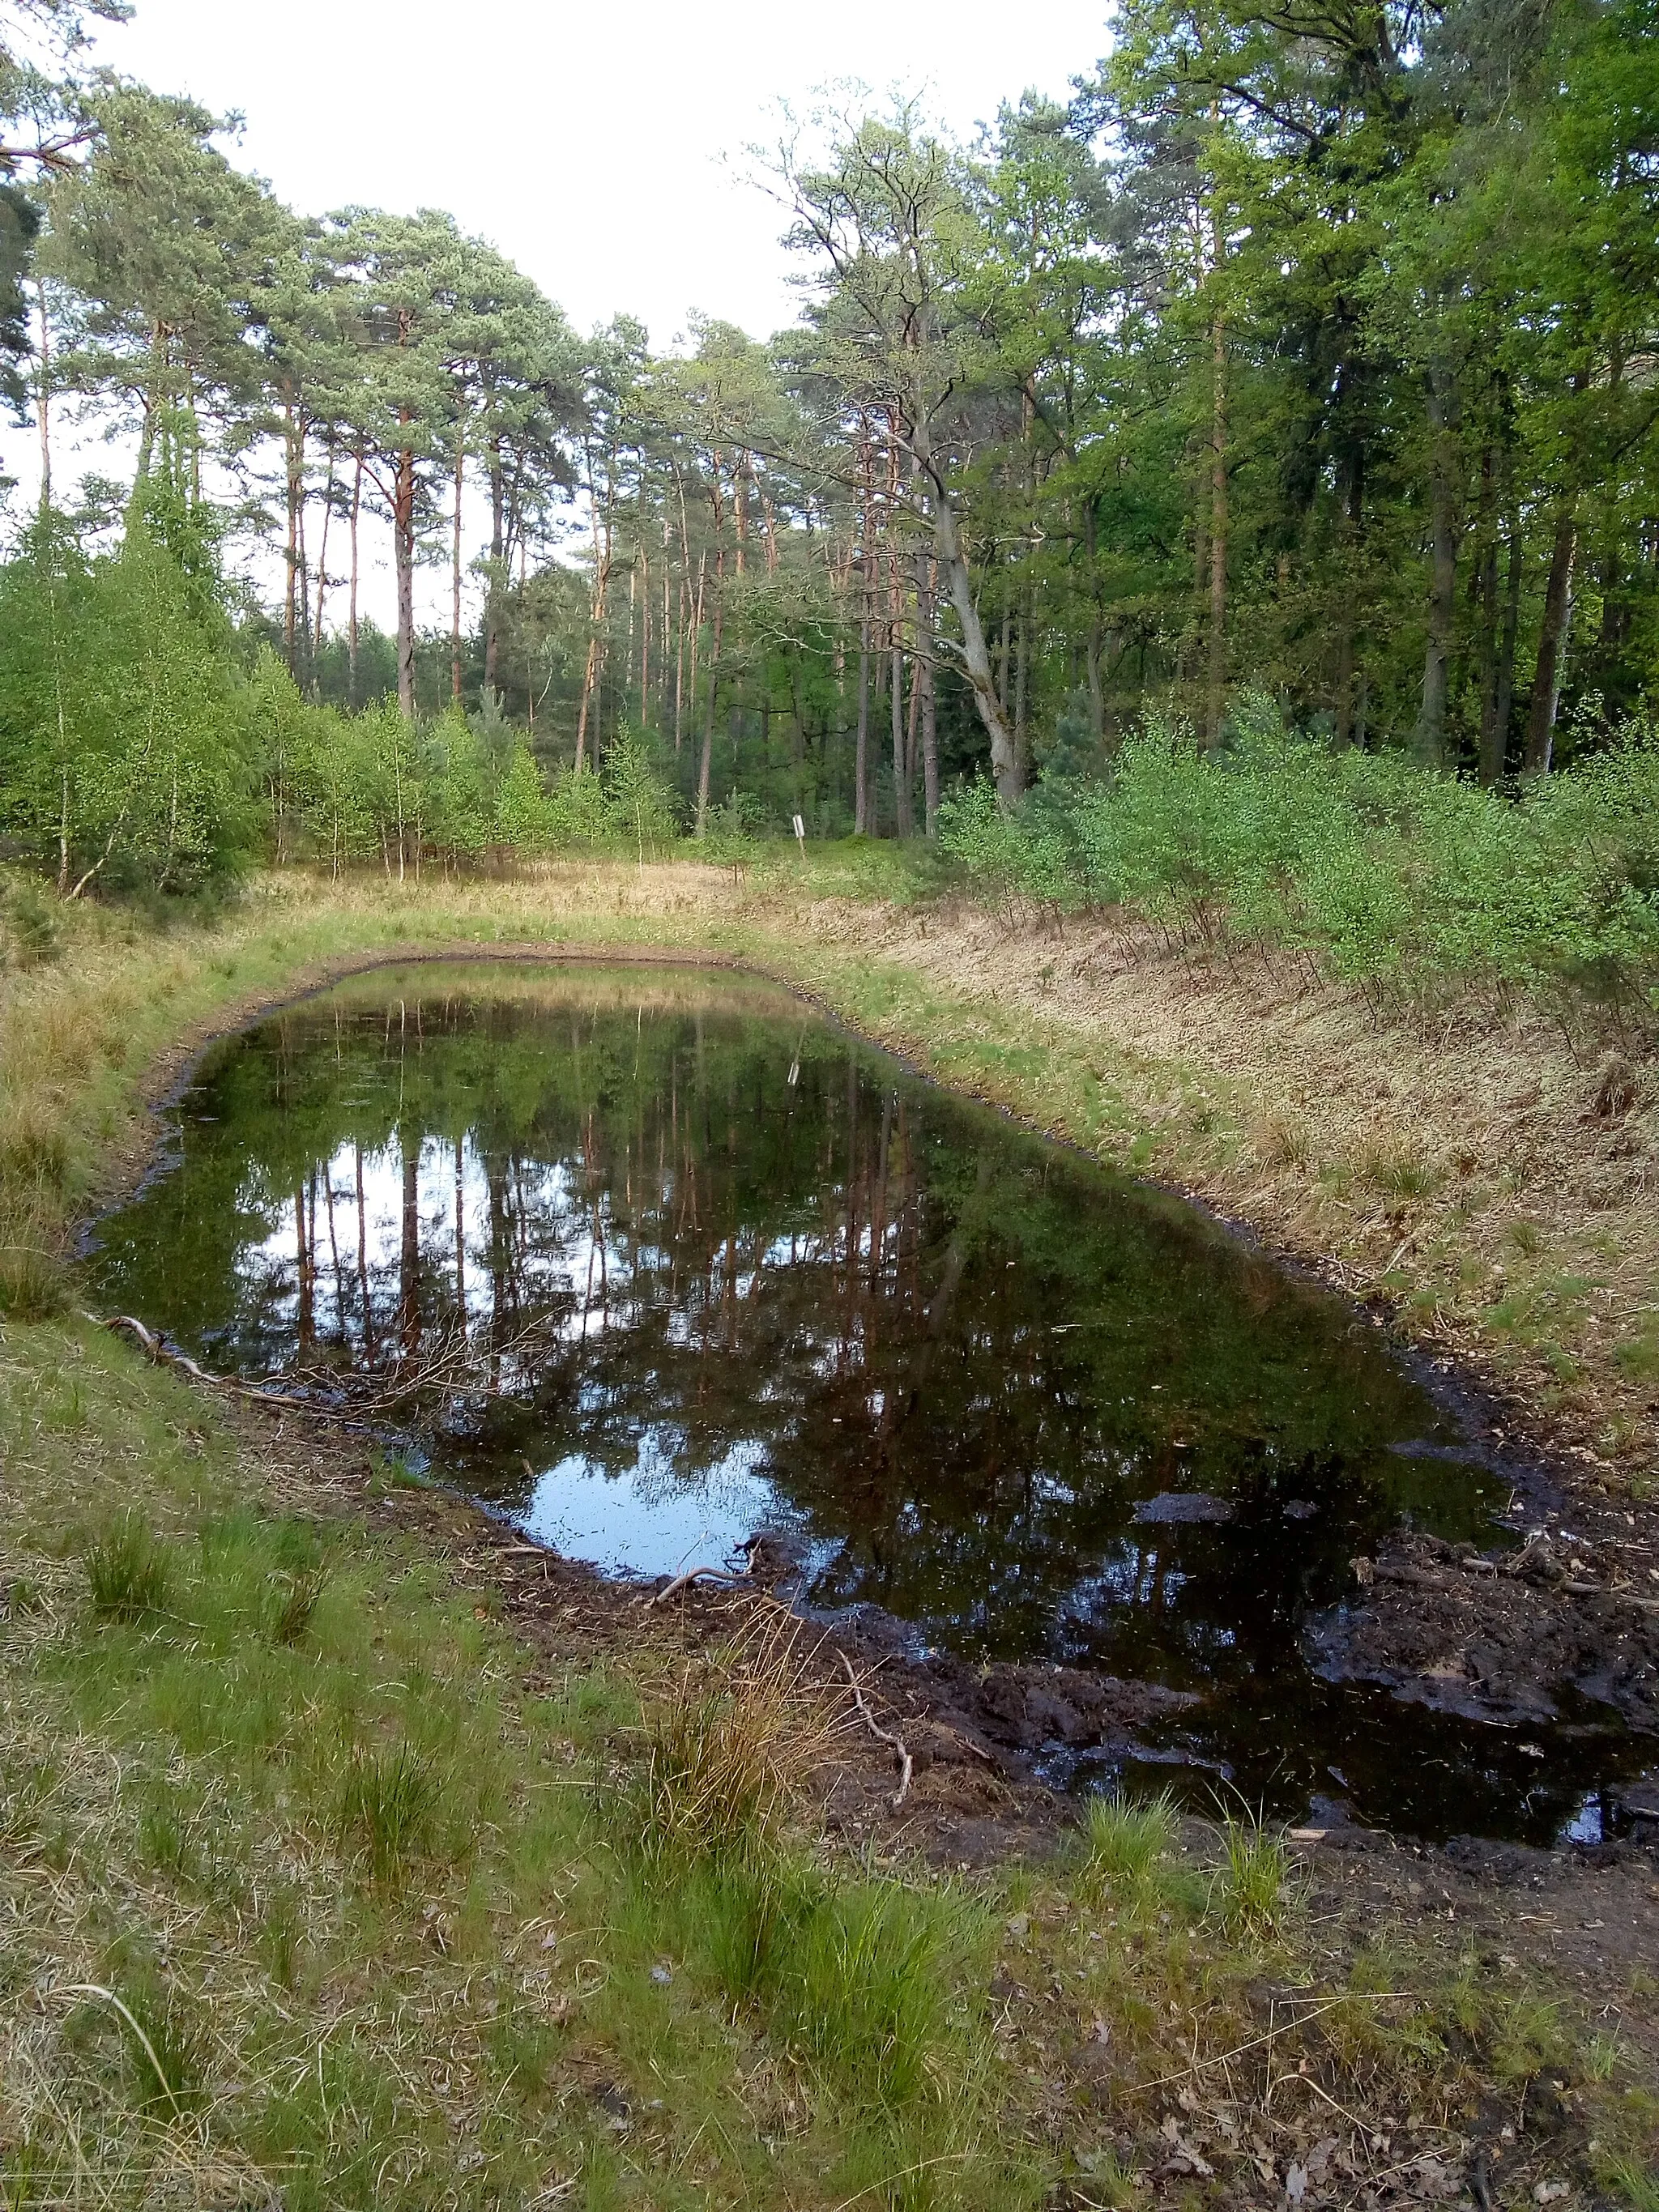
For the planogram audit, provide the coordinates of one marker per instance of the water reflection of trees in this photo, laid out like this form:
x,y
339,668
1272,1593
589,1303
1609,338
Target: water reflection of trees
x,y
960,1355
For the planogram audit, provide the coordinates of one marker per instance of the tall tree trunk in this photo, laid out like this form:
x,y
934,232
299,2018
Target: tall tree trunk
x,y
293,452
1216,688
322,560
1491,764
1022,678
1503,711
497,554
901,762
403,553
455,573
1093,639
866,564
1430,734
861,740
1347,586
351,614
976,661
706,760
1553,639
43,392
926,590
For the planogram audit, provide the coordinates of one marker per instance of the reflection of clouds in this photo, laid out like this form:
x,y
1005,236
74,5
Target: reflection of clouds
x,y
651,1519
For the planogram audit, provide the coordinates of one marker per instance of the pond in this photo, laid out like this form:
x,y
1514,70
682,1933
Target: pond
x,y
683,1262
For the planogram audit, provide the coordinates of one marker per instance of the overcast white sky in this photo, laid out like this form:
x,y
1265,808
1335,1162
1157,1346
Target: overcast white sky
x,y
596,145
585,141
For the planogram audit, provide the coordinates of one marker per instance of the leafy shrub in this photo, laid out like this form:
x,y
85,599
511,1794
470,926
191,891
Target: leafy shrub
x,y
1389,873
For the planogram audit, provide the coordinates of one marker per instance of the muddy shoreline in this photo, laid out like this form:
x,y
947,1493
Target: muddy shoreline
x,y
1504,1648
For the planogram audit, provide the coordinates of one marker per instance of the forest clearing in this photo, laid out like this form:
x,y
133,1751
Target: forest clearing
x,y
828,1262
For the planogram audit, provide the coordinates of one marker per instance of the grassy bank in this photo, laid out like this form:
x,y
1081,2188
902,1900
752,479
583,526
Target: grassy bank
x,y
1474,1172
324,1882
329,1877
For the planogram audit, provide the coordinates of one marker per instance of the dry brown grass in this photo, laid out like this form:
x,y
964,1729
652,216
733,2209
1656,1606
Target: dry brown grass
x,y
1400,1156
1495,1186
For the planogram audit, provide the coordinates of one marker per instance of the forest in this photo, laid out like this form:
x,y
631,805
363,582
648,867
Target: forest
x,y
1235,490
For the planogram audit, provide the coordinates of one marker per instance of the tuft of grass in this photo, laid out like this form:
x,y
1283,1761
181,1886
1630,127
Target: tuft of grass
x,y
1402,1174
128,1575
872,1995
290,1602
32,934
1113,2181
1283,1142
1124,1838
1635,2180
729,1755
165,2045
385,1809
23,1795
32,1281
1248,1884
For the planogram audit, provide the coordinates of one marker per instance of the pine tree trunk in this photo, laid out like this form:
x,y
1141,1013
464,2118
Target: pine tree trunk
x,y
455,573
497,555
1553,639
1022,652
1216,686
322,563
403,553
1430,734
351,614
705,763
291,551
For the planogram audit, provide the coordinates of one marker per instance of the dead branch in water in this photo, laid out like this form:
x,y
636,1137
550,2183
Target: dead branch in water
x,y
451,1366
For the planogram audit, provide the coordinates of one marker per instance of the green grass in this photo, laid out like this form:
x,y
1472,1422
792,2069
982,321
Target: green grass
x,y
409,1914
127,1574
1125,1840
1249,1884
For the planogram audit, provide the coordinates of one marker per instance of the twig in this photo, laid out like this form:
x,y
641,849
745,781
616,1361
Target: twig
x,y
1205,2065
885,1735
165,1357
691,1575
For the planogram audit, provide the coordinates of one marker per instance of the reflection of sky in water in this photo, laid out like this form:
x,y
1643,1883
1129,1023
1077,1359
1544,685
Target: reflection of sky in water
x,y
648,1520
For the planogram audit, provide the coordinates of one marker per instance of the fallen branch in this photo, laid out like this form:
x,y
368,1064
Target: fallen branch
x,y
895,1743
691,1575
165,1357
446,1368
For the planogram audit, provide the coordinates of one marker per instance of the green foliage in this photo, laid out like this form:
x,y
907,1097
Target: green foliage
x,y
1391,874
126,753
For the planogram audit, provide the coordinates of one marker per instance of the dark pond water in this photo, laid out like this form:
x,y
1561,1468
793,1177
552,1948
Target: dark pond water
x,y
710,1268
